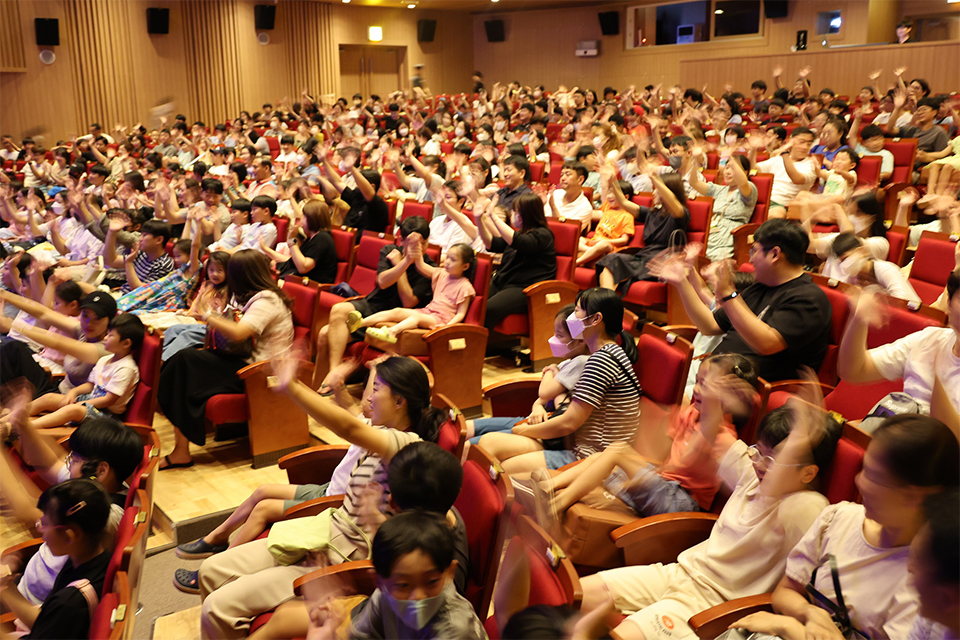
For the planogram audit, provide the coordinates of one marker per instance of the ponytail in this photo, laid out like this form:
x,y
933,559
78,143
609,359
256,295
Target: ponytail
x,y
407,379
629,346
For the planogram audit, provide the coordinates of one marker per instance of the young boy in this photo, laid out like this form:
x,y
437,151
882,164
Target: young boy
x,y
567,200
111,384
151,262
793,170
870,144
415,598
841,178
772,506
261,227
233,236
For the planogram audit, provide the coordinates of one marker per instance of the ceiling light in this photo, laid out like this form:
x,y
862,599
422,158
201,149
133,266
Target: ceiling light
x,y
499,0
346,1
411,6
375,34
719,12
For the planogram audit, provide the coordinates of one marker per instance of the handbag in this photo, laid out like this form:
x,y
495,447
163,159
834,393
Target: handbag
x,y
837,610
330,531
217,341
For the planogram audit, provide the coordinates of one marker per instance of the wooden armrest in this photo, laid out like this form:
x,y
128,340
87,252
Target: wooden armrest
x,y
348,578
314,465
686,331
744,229
251,369
662,538
313,507
548,286
24,550
711,623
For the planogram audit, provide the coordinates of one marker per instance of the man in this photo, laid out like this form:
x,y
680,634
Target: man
x,y
368,211
97,132
934,567
794,170
399,284
263,184
930,137
782,321
904,31
516,170
164,146
568,200
417,81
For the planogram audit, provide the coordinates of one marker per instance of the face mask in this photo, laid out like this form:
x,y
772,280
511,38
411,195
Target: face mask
x,y
499,125
356,103
731,140
403,132
57,208
557,348
597,142
414,613
576,326
377,109
675,162
852,266
342,166
483,136
459,131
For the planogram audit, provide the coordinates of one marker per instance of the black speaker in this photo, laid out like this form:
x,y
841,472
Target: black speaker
x,y
801,40
48,32
264,16
775,8
158,20
609,23
494,30
426,29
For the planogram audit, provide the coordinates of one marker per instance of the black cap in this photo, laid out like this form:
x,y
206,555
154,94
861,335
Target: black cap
x,y
100,303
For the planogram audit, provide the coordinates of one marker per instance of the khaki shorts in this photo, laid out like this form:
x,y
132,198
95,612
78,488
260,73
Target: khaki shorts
x,y
658,599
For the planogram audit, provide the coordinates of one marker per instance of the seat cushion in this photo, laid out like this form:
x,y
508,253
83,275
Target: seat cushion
x,y
647,294
227,408
587,527
514,325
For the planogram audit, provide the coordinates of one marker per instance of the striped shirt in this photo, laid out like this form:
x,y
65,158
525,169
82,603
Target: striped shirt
x,y
149,270
613,391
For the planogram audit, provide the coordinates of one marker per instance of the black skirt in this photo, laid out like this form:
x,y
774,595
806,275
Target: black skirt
x,y
188,380
628,268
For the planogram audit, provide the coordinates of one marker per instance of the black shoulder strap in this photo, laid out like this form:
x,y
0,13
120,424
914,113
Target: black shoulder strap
x,y
632,379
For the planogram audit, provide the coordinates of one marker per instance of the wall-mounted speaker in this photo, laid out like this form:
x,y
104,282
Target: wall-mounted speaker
x,y
776,8
609,23
264,15
48,32
158,20
426,29
494,30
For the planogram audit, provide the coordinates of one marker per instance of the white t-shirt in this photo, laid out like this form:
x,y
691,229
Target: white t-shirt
x,y
228,239
916,357
445,233
119,377
784,190
927,629
580,209
886,158
888,275
747,549
874,581
253,232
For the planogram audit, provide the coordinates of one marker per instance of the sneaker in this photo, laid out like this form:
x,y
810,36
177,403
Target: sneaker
x,y
198,550
354,319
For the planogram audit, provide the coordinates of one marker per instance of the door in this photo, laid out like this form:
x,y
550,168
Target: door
x,y
369,69
351,72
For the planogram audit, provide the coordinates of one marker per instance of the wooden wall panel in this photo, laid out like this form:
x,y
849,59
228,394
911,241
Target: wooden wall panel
x,y
214,76
11,38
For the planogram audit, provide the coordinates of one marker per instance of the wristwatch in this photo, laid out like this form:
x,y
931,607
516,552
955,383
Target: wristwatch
x,y
730,297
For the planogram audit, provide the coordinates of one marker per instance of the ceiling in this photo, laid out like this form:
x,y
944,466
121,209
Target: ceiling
x,y
483,6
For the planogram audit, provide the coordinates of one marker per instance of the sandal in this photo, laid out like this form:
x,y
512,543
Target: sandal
x,y
198,550
354,320
379,333
176,465
187,581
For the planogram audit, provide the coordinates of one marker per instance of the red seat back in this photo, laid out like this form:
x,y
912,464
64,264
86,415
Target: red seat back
x,y
274,144
701,210
554,176
663,364
838,320
283,225
142,406
854,401
481,284
413,208
900,322
389,182
344,241
306,304
932,264
536,171
391,214
364,276
904,152
868,171
566,241
713,160
764,182
839,479
120,541
898,244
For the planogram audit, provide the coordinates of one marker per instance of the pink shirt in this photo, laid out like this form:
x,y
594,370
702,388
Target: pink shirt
x,y
698,472
448,293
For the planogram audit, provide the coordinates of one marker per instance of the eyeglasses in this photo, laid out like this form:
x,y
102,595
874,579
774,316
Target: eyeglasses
x,y
41,527
765,462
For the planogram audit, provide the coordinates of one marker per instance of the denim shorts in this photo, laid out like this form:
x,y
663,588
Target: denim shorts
x,y
483,426
558,459
649,494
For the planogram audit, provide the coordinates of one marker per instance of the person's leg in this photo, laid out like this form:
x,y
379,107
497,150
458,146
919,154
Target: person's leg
x,y
181,450
290,620
777,212
49,402
414,320
241,516
943,184
321,366
520,466
389,315
182,336
60,417
596,468
606,280
504,303
503,446
600,249
477,428
338,335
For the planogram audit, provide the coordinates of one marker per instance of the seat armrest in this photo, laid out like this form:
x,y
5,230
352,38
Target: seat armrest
x,y
313,507
742,239
24,550
662,538
314,465
348,578
711,623
686,331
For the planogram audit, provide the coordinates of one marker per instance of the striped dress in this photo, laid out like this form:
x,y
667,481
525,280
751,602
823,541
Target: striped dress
x,y
609,385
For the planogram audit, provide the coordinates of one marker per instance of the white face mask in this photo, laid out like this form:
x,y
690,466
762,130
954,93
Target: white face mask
x,y
57,208
559,349
483,136
731,140
499,125
459,131
403,132
576,326
597,142
415,614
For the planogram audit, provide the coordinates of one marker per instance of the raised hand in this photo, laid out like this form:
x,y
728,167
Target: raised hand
x,y
899,71
669,267
875,74
908,197
804,72
777,71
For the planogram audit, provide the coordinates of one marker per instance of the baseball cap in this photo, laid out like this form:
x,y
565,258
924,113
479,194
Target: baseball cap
x,y
101,303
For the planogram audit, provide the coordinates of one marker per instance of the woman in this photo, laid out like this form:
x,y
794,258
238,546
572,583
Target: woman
x,y
665,224
315,257
191,377
910,456
247,580
733,203
606,398
528,255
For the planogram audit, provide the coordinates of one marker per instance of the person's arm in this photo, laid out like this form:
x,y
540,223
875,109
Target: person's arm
x,y
461,313
333,178
627,205
44,315
777,80
83,351
899,99
363,184
25,610
463,220
566,423
654,124
741,179
854,363
402,177
21,503
667,197
675,273
56,239
693,177
486,229
791,168
132,279
904,205
853,136
110,257
504,230
40,451
759,336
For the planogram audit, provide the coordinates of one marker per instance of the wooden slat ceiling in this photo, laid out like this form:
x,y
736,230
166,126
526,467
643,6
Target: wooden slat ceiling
x,y
483,6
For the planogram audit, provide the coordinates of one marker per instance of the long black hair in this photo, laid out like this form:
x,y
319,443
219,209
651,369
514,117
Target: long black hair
x,y
610,306
408,379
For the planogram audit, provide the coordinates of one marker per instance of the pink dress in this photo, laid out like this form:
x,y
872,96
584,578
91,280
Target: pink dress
x,y
448,293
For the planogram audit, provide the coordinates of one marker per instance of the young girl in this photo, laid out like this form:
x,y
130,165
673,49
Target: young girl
x,y
841,178
616,225
687,480
452,293
169,292
212,294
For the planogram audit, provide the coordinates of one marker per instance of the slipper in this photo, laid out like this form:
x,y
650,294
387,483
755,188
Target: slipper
x,y
379,333
354,320
187,581
198,550
176,465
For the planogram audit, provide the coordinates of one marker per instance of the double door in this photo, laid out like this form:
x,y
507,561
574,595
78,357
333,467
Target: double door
x,y
367,70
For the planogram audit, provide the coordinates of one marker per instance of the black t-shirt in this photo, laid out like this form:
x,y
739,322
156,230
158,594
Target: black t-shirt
x,y
364,215
389,298
324,253
530,259
65,613
799,311
507,196
658,227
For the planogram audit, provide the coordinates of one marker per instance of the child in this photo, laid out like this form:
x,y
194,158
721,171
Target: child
x,y
236,231
111,384
687,480
841,178
212,295
150,261
870,144
772,506
452,293
616,225
415,598
169,292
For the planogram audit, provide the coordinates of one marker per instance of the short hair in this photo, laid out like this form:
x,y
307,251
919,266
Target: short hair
x,y
786,235
838,104
100,170
212,185
924,85
626,188
415,224
919,450
943,520
871,131
422,475
759,84
743,160
69,291
853,155
933,103
693,93
265,202
683,141
800,131
776,426
528,106
578,167
129,327
106,440
844,242
778,103
287,139
520,164
240,169
317,215
158,229
373,177
829,92
463,148
80,502
408,532
585,151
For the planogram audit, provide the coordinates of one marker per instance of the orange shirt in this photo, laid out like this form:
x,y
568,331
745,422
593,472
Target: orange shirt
x,y
613,224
